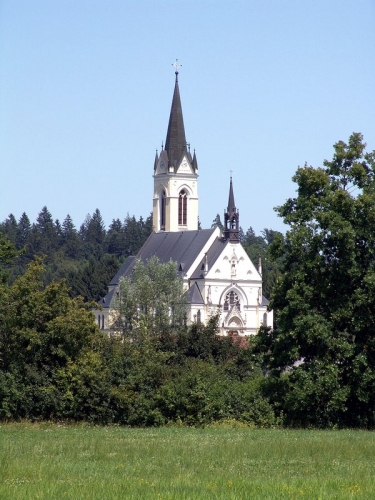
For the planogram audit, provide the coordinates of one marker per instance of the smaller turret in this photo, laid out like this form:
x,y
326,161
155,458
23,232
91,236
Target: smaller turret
x,y
231,219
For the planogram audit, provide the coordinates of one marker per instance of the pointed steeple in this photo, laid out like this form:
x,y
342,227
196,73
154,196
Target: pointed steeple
x,y
175,199
175,142
231,218
231,204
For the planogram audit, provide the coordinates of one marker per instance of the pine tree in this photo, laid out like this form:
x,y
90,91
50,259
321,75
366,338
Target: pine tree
x,y
23,231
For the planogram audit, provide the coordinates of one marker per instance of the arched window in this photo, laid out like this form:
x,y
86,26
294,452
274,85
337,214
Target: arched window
x,y
162,211
199,316
182,208
231,300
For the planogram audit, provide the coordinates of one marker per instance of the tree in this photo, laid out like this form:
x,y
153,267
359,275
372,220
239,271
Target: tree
x,y
43,235
9,228
322,351
48,345
258,247
217,223
7,254
23,232
92,278
70,239
150,301
115,238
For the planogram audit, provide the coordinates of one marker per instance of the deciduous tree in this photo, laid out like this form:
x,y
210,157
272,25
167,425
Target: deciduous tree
x,y
323,348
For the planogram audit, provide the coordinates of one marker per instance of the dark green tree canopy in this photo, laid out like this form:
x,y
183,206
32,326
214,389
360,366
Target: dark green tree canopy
x,y
325,299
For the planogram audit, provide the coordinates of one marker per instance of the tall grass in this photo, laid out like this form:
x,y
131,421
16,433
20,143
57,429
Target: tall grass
x,y
78,462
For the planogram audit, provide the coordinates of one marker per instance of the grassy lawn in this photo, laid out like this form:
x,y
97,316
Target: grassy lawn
x,y
48,462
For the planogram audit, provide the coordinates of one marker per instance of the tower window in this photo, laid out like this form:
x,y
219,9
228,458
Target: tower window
x,y
182,208
231,300
162,211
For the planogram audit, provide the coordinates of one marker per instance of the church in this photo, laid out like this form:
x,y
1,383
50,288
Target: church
x,y
218,275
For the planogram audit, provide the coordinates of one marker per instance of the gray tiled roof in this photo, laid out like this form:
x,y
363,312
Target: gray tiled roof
x,y
194,295
182,247
105,302
212,255
122,271
265,301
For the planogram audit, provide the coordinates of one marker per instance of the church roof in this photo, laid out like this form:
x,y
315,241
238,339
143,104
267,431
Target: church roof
x,y
265,301
122,271
105,302
182,247
175,142
212,255
194,295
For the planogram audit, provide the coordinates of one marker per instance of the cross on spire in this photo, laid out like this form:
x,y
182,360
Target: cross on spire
x,y
176,65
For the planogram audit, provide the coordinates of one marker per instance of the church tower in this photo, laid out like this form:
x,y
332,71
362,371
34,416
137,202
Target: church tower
x,y
231,219
175,201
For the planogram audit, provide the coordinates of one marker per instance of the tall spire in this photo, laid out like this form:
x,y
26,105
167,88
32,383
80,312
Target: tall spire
x,y
175,142
231,218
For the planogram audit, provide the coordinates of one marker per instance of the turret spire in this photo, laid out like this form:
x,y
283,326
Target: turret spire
x,y
231,204
231,218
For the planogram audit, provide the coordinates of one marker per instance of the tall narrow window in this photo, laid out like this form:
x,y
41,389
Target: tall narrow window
x,y
162,211
182,208
199,316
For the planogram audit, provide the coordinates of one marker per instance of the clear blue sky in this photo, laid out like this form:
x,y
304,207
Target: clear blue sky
x,y
86,88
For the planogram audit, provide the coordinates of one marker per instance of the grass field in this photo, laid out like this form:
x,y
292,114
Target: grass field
x,y
48,462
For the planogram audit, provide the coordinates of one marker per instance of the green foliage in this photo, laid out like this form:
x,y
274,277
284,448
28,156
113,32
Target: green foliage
x,y
56,364
217,223
323,348
259,247
151,301
87,259
8,253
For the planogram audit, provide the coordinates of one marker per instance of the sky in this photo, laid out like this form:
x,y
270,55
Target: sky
x,y
266,85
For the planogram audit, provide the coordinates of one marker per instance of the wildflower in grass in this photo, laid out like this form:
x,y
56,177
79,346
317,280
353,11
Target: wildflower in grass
x,y
354,488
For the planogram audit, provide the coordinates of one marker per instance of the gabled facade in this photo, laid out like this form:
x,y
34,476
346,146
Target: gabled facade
x,y
218,275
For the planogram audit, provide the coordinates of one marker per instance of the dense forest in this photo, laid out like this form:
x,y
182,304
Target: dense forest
x,y
86,258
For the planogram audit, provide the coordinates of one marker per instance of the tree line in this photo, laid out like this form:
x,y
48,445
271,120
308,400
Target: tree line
x,y
87,258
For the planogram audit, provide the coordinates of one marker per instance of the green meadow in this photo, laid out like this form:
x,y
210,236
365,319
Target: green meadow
x,y
51,461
